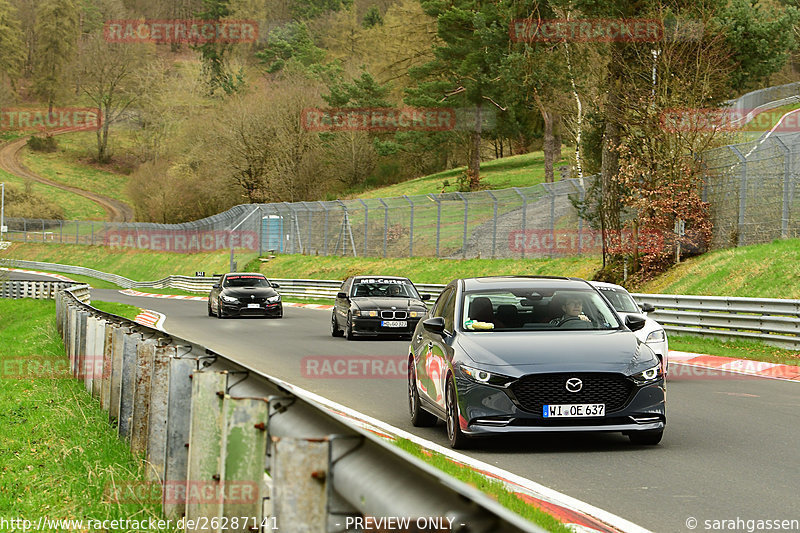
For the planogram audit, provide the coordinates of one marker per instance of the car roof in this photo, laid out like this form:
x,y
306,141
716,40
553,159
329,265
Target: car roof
x,y
608,285
500,282
245,274
361,276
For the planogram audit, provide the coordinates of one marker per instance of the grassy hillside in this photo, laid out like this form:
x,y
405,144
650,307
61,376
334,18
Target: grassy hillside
x,y
515,171
765,270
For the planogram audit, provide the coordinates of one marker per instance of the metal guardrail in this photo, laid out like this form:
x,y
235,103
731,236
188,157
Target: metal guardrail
x,y
39,290
769,320
205,422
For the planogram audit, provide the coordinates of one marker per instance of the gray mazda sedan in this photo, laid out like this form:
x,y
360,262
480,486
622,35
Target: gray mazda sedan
x,y
533,354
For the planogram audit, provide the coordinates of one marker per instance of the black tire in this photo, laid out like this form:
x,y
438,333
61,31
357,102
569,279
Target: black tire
x,y
650,437
457,439
280,313
210,312
335,331
348,328
220,312
419,416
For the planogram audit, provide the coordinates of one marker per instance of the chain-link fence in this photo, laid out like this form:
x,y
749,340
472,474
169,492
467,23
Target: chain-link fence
x,y
538,221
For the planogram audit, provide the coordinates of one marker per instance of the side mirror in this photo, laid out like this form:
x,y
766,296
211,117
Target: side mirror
x,y
275,286
635,322
647,308
215,286
434,325
424,297
341,295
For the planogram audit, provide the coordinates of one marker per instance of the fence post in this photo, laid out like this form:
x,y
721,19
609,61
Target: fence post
x,y
385,224
742,194
77,230
464,236
92,233
438,219
61,231
787,172
24,230
411,229
524,215
550,192
581,197
325,230
42,220
366,224
494,223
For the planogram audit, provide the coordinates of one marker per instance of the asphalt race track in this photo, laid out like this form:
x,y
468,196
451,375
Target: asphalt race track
x,y
730,449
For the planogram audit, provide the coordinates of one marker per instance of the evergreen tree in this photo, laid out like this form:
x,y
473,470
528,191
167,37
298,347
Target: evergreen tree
x,y
57,31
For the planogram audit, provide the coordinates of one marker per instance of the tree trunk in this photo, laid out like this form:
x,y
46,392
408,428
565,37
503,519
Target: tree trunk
x,y
474,166
609,193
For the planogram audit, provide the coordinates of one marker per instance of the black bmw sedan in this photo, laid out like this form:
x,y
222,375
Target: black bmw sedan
x,y
242,294
533,354
377,305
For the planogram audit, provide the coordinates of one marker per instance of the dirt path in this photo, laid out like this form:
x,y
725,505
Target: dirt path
x,y
11,163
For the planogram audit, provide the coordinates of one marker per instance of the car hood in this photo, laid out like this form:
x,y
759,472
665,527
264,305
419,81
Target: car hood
x,y
518,353
246,292
374,302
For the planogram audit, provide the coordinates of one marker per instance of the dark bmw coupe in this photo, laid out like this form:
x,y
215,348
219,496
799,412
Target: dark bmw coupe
x,y
243,294
520,354
377,305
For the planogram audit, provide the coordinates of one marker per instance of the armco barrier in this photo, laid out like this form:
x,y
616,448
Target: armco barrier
x,y
39,290
202,419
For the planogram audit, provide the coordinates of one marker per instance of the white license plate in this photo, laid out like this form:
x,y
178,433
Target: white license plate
x,y
253,306
574,410
394,323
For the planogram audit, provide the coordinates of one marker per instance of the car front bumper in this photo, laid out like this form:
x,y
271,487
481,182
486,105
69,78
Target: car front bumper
x,y
242,309
486,410
372,326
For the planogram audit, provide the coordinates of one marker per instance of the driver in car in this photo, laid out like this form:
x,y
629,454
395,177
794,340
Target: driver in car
x,y
572,308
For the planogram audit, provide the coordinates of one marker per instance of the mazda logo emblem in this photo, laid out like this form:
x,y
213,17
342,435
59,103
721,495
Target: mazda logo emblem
x,y
574,385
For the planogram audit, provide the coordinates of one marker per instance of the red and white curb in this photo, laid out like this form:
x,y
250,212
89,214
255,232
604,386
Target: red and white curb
x,y
580,516
150,318
746,367
131,292
56,276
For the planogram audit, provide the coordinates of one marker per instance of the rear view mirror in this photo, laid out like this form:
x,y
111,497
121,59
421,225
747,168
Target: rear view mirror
x,y
341,295
425,297
635,322
434,325
275,286
215,286
647,308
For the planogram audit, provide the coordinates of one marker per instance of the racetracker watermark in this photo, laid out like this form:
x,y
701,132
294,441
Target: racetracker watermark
x,y
181,31
586,30
709,120
42,367
575,242
737,370
354,367
391,119
179,492
60,118
182,240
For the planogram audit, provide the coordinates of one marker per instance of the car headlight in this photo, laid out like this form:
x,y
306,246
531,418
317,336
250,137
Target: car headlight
x,y
229,299
649,376
415,314
359,312
483,376
274,299
656,336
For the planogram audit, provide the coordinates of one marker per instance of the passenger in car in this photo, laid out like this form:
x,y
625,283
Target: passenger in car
x,y
573,308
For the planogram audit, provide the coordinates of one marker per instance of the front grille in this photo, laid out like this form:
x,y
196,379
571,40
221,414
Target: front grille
x,y
536,390
394,315
253,300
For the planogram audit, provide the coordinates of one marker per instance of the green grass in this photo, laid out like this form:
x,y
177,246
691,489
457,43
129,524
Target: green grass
x,y
424,270
59,451
67,165
123,310
515,171
741,349
765,120
495,489
769,270
138,265
75,207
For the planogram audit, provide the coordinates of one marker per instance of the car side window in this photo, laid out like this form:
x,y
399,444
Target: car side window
x,y
436,310
448,312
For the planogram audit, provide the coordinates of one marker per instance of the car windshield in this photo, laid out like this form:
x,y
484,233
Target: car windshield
x,y
536,309
622,301
245,281
384,288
